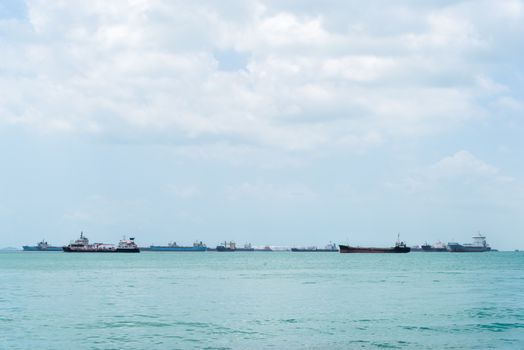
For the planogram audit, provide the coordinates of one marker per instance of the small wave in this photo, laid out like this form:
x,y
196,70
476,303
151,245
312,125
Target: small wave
x,y
387,345
131,324
417,328
500,326
289,320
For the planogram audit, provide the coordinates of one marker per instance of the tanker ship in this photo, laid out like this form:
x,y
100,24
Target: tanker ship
x,y
82,245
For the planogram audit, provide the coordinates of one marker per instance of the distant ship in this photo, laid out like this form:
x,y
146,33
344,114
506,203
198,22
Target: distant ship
x,y
173,247
246,248
265,249
331,247
42,246
400,247
479,245
227,247
437,247
81,245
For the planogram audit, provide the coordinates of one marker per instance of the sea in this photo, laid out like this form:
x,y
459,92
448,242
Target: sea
x,y
261,300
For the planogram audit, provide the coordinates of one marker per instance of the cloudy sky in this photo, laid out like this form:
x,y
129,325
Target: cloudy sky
x,y
271,122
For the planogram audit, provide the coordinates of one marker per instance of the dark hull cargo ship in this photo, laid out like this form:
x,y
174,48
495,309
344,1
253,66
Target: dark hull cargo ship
x,y
400,247
437,247
226,247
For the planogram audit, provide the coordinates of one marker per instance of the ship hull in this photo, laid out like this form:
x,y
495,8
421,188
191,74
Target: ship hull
x,y
224,249
350,249
37,249
459,248
128,250
118,250
314,250
176,249
432,249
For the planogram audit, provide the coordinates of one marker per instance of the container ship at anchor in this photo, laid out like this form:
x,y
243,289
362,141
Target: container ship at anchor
x,y
81,245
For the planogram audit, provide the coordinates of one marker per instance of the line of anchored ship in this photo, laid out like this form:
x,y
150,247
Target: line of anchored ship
x,y
82,245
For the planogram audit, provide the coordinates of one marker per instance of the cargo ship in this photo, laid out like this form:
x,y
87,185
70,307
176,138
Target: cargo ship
x,y
400,247
82,245
331,247
437,247
246,248
264,249
173,247
479,245
227,247
42,246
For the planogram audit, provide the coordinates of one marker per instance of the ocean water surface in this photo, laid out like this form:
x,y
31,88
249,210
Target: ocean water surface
x,y
261,300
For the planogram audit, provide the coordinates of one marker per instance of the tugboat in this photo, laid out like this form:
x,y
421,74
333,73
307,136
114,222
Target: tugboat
x,y
479,245
400,247
173,247
42,246
330,248
81,245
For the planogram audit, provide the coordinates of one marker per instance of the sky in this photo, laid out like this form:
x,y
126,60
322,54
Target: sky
x,y
270,122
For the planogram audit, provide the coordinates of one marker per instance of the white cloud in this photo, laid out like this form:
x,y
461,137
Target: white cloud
x,y
109,68
456,173
462,163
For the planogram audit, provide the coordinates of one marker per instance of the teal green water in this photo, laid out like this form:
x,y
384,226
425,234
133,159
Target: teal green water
x,y
261,300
